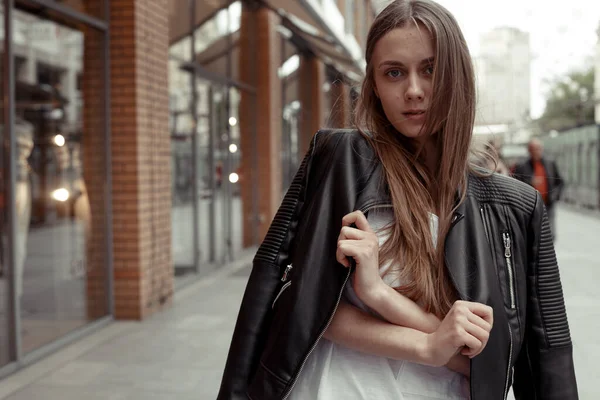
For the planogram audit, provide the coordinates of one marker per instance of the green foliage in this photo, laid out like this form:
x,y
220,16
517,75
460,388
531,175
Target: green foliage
x,y
570,102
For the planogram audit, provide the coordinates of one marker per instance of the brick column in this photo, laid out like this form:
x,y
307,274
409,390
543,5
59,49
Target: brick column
x,y
261,155
94,174
141,157
311,80
341,111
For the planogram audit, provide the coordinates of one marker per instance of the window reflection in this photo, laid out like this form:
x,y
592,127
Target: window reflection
x,y
181,126
59,249
5,304
225,22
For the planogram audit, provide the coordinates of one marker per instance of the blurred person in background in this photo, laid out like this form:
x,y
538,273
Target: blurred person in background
x,y
394,269
542,174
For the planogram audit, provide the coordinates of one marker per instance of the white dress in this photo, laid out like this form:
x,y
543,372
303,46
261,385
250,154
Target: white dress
x,y
334,372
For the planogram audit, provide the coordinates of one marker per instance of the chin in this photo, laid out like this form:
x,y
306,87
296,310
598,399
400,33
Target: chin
x,y
411,132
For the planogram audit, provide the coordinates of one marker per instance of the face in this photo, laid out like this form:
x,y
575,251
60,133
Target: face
x,y
536,150
403,62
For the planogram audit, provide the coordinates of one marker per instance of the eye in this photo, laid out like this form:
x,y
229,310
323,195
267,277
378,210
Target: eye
x,y
394,73
429,70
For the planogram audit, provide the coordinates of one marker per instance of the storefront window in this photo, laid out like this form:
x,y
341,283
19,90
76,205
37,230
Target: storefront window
x,y
288,72
225,22
60,249
5,303
219,156
207,139
181,126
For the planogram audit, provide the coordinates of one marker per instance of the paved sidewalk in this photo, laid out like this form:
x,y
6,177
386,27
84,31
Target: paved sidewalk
x,y
176,354
180,353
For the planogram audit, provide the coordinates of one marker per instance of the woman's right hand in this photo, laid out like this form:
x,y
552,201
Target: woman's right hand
x,y
465,329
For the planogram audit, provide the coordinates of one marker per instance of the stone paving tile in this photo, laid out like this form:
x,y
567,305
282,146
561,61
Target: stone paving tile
x,y
76,373
49,392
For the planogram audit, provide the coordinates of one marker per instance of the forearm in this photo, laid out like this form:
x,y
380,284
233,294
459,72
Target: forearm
x,y
360,331
400,310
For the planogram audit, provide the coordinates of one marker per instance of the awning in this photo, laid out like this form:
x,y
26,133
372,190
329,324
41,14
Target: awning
x,y
305,37
302,25
179,15
214,57
330,53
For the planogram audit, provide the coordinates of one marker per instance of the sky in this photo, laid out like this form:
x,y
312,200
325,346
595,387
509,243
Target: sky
x,y
562,33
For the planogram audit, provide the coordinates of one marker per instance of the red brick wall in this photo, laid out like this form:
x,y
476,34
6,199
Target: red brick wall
x,y
260,57
94,173
312,78
141,157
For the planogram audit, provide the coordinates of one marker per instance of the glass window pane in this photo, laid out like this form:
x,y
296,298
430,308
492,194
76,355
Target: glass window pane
x,y
217,42
5,303
236,173
60,248
181,125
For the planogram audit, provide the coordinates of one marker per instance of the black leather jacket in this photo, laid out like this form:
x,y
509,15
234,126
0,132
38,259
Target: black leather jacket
x,y
499,252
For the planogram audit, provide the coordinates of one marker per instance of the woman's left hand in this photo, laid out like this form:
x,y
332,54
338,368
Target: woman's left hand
x,y
362,244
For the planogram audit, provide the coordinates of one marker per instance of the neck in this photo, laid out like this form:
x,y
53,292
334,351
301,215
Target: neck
x,y
431,154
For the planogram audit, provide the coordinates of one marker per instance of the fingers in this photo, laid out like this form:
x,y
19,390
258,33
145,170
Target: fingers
x,y
481,310
476,320
480,322
352,233
345,234
474,345
362,236
478,337
360,250
357,218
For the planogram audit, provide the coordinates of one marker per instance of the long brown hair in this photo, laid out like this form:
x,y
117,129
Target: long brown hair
x,y
450,117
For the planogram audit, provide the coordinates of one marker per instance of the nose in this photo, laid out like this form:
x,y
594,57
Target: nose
x,y
414,91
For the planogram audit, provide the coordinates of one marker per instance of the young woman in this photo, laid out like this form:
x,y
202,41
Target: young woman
x,y
394,269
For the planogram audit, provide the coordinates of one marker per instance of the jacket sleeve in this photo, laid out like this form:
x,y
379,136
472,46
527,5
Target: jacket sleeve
x,y
544,369
255,313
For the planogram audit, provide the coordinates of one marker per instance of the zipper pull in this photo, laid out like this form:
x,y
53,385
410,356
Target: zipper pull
x,y
286,272
506,244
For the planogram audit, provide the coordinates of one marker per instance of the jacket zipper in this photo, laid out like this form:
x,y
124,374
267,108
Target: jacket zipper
x,y
286,272
511,288
509,362
364,210
485,225
280,292
508,256
284,278
509,267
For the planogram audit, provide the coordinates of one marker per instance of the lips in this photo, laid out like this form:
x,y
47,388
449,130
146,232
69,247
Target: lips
x,y
417,115
414,112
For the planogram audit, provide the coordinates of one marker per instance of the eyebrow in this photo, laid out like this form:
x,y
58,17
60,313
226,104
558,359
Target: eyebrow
x,y
392,63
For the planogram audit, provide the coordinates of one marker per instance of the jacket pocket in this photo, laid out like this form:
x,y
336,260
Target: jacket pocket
x,y
283,289
509,265
500,239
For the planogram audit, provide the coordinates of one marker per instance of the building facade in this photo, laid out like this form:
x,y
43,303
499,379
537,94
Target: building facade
x,y
148,142
503,71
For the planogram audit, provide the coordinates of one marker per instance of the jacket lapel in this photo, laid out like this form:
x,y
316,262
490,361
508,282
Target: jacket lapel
x,y
470,264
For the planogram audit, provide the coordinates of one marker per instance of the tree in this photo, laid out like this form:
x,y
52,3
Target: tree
x,y
570,102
